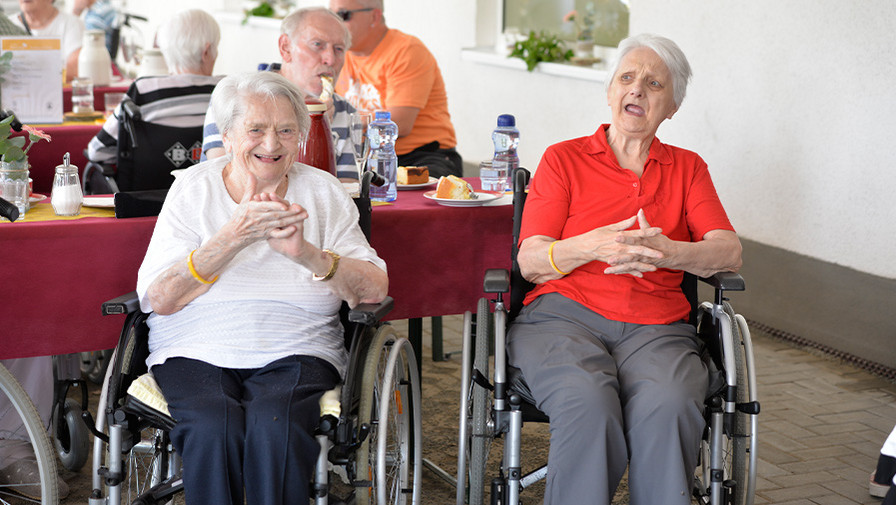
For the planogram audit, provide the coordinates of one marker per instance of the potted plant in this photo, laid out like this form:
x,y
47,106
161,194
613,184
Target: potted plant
x,y
12,153
538,47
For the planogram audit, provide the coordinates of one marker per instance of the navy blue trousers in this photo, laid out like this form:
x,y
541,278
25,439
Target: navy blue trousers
x,y
246,432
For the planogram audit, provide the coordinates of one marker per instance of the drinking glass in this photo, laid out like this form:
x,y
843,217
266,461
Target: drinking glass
x,y
14,185
359,121
82,95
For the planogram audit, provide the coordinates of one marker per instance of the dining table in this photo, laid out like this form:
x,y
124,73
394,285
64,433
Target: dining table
x,y
57,271
69,137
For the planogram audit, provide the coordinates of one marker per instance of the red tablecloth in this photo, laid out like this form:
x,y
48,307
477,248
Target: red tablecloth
x,y
56,274
66,138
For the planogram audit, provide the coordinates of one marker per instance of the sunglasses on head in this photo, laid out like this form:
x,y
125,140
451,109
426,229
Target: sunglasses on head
x,y
346,14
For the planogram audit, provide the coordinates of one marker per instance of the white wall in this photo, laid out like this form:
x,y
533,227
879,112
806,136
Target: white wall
x,y
791,105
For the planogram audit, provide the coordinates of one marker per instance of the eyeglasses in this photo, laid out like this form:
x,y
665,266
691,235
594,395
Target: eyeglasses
x,y
346,15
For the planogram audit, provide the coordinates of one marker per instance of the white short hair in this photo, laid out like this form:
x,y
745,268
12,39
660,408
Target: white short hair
x,y
233,92
184,37
667,50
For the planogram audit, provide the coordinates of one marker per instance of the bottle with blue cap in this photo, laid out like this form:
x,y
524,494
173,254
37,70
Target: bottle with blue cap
x,y
506,138
382,134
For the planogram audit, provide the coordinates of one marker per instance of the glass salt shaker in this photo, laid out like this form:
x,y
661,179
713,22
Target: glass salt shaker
x,y
66,196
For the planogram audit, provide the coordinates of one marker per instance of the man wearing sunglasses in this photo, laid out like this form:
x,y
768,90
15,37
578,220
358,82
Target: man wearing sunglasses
x,y
386,69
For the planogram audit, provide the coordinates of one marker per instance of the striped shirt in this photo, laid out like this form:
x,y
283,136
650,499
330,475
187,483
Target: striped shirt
x,y
173,100
345,159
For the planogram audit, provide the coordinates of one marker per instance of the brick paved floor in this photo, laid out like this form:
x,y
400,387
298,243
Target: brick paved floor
x,y
821,427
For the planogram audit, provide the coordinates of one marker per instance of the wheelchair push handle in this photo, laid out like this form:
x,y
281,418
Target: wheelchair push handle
x,y
8,210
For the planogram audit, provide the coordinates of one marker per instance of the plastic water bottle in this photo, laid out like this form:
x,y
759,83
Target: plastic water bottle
x,y
506,139
382,134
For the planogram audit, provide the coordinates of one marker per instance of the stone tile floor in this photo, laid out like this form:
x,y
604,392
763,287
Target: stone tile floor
x,y
822,423
821,427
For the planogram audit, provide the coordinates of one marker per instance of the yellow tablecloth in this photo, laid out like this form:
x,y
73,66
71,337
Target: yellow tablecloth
x,y
44,212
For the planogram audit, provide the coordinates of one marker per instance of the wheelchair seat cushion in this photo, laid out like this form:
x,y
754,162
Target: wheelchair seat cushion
x,y
146,390
145,398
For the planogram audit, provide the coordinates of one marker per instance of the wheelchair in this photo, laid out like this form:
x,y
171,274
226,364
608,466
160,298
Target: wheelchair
x,y
496,406
147,154
369,431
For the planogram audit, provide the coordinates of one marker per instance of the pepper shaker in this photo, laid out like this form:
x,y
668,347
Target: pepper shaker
x,y
66,196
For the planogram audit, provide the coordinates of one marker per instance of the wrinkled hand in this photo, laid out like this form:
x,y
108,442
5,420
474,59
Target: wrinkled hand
x,y
264,216
287,240
644,248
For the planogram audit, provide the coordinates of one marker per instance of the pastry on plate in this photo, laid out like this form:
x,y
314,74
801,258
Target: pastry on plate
x,y
455,188
413,175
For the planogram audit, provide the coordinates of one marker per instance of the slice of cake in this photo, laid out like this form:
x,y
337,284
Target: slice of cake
x,y
413,175
455,188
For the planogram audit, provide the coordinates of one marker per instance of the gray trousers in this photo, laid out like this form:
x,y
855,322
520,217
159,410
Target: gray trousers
x,y
616,393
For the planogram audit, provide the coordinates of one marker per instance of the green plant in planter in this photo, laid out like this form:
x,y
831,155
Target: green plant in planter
x,y
263,10
540,47
5,64
11,148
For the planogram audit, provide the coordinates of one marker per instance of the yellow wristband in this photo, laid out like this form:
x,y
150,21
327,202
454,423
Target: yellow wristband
x,y
334,264
551,259
195,273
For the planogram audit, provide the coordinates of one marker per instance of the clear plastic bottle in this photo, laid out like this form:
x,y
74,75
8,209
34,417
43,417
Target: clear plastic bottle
x,y
382,134
506,139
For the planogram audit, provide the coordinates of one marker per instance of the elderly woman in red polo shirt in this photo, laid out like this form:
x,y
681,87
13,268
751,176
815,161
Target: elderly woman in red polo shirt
x,y
611,223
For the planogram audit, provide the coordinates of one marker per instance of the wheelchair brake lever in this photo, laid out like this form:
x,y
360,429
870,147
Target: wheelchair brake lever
x,y
91,426
480,379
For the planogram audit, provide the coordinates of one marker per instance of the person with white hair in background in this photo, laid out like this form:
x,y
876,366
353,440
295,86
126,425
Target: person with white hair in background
x,y
313,42
189,43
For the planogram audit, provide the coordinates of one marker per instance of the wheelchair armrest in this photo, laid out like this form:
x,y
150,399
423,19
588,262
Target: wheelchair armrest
x,y
726,281
370,313
124,304
497,280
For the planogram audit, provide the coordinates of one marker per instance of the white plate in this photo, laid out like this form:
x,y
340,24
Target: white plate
x,y
37,198
105,202
432,180
483,197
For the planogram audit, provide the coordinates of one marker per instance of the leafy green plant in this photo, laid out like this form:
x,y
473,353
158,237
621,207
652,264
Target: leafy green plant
x,y
11,148
540,47
5,64
263,9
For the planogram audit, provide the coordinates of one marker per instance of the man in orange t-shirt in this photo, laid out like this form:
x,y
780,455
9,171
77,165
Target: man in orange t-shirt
x,y
386,69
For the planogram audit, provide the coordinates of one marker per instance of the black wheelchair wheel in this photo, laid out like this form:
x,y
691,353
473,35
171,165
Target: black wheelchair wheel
x,y
72,439
480,432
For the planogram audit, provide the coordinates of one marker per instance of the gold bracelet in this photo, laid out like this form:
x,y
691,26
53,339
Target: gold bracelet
x,y
551,259
334,264
195,273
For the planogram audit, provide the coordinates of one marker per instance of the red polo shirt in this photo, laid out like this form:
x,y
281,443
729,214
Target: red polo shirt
x,y
579,186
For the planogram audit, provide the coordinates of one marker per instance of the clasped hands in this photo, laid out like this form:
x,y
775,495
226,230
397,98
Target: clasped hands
x,y
266,216
633,251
